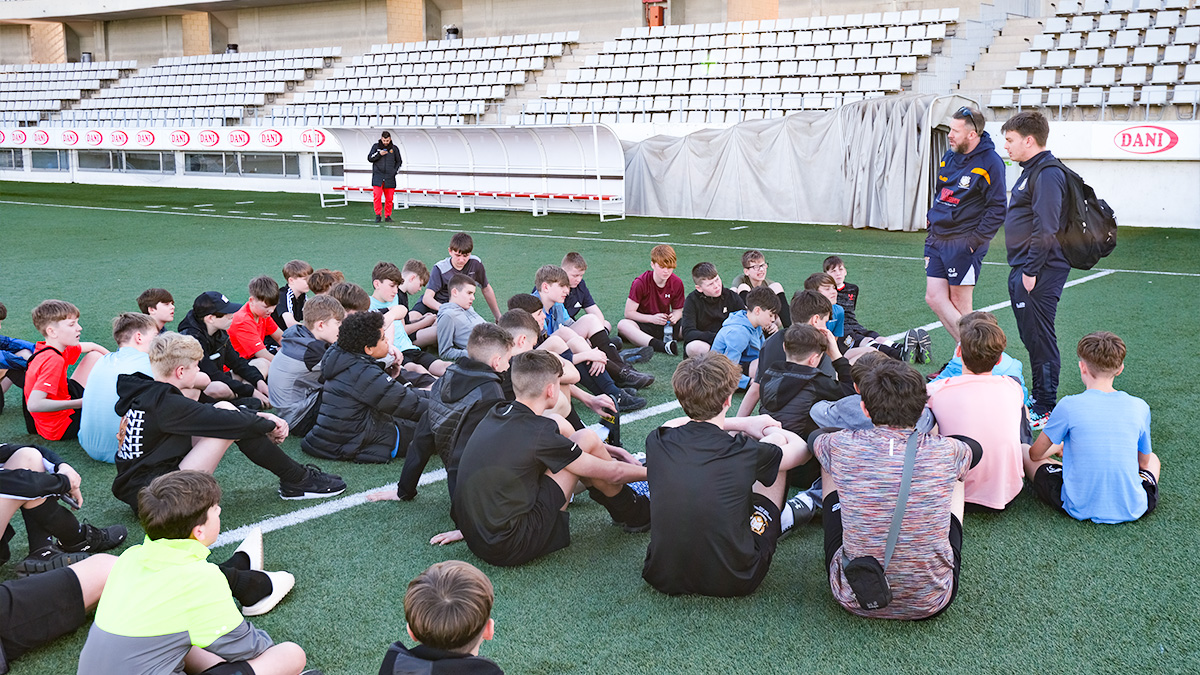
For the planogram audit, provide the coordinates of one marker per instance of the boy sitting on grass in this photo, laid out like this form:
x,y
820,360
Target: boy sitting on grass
x,y
158,304
32,480
741,336
1099,433
580,298
296,370
456,318
414,275
754,275
861,474
460,261
989,409
699,539
1007,366
365,415
289,311
386,279
252,325
98,424
522,516
320,281
231,377
807,307
789,390
448,609
166,609
52,399
655,301
164,431
705,309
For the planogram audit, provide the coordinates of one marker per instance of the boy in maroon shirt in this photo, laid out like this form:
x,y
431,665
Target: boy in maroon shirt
x,y
655,302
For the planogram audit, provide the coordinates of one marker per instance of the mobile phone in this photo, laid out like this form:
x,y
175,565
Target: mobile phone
x,y
69,501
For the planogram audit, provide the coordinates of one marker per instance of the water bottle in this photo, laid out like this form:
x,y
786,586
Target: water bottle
x,y
668,333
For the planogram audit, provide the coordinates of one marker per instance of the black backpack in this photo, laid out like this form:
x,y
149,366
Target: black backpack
x,y
1090,231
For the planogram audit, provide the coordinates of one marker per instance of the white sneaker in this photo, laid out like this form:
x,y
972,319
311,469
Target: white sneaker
x,y
281,585
252,546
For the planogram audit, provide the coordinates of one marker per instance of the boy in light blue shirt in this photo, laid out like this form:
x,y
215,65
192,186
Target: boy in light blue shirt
x,y
1108,472
741,335
386,280
98,422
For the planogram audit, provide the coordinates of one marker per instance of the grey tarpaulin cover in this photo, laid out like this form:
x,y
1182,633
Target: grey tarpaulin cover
x,y
866,164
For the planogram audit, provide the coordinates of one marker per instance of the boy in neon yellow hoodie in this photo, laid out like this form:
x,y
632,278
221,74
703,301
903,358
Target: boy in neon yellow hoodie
x,y
166,608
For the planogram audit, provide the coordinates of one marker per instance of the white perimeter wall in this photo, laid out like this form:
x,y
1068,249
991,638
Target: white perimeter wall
x,y
1129,165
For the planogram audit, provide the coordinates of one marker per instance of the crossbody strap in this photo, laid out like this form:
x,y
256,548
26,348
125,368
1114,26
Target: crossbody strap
x,y
910,458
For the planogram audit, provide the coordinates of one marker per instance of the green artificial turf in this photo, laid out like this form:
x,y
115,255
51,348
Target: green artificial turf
x,y
1039,593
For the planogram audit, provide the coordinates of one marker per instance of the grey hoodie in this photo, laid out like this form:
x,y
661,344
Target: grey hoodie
x,y
454,326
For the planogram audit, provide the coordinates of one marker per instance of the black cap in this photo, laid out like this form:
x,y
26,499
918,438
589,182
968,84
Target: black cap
x,y
213,302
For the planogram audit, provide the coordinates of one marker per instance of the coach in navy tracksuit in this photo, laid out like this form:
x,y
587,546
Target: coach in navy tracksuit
x,y
966,213
1039,270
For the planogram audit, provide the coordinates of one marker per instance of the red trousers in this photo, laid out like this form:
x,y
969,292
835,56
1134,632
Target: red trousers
x,y
387,194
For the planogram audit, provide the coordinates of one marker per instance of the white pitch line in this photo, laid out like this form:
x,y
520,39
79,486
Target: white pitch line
x,y
541,229
231,211
1007,303
300,215
265,213
179,208
701,232
564,237
740,227
493,227
334,218
313,512
157,206
412,222
651,236
200,205
586,232
244,202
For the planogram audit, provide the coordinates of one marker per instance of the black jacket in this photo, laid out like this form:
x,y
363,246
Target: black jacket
x,y
1035,212
426,660
159,428
218,354
788,391
384,167
457,402
26,484
357,399
703,316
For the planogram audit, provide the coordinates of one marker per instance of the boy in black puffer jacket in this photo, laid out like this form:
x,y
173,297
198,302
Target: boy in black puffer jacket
x,y
789,389
366,415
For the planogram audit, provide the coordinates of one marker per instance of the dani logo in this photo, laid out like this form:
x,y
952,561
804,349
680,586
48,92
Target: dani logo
x,y
312,138
41,137
1145,139
271,138
209,138
70,137
180,138
18,137
94,137
145,138
239,137
119,138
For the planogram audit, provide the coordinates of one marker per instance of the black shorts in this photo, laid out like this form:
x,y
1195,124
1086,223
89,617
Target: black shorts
x,y
544,530
420,308
420,357
39,609
831,514
1048,484
652,329
954,261
764,523
74,390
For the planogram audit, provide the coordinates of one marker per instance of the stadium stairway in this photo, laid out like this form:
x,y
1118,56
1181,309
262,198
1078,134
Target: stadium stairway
x,y
510,111
997,59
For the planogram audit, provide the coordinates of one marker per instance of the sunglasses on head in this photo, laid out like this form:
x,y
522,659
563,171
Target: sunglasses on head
x,y
967,113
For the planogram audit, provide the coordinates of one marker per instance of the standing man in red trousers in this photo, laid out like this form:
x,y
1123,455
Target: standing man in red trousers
x,y
385,164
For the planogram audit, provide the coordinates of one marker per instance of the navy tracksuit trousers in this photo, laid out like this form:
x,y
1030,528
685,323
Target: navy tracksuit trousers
x,y
1035,313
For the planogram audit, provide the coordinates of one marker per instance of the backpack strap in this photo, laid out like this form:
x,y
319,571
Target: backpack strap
x,y
1035,171
910,458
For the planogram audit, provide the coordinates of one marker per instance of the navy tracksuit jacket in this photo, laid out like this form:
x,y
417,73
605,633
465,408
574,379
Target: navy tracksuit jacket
x,y
1035,213
970,195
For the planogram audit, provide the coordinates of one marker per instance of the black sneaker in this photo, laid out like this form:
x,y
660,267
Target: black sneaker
x,y
316,484
908,346
671,347
636,354
388,219
628,377
803,508
98,539
924,346
628,403
48,558
378,218
642,522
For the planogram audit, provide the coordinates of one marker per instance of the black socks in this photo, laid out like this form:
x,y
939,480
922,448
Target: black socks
x,y
248,586
626,507
49,520
658,345
264,453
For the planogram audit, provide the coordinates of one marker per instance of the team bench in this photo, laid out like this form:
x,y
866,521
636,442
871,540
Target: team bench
x,y
539,201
